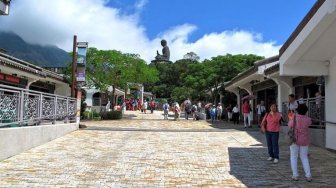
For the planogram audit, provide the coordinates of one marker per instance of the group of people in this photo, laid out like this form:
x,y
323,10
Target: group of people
x,y
137,104
300,122
190,109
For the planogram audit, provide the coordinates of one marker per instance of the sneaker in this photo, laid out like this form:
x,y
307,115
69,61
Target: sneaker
x,y
276,161
309,179
295,178
270,158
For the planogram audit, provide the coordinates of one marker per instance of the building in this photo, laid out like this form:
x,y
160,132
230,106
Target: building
x,y
311,51
98,101
21,74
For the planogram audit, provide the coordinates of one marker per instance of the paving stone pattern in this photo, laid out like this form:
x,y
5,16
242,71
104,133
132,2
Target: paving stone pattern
x,y
145,151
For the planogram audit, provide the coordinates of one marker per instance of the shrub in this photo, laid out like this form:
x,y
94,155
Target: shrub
x,y
91,115
111,115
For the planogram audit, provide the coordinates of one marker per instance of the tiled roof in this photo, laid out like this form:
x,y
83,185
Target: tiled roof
x,y
272,69
16,63
253,69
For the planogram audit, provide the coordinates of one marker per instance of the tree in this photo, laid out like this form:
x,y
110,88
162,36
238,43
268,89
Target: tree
x,y
113,68
211,74
191,56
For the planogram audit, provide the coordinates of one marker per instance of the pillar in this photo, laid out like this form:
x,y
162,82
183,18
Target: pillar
x,y
330,103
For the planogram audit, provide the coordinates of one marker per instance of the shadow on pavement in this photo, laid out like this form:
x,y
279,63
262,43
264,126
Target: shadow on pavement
x,y
250,166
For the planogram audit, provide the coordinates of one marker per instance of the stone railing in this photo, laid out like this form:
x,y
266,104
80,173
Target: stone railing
x,y
22,107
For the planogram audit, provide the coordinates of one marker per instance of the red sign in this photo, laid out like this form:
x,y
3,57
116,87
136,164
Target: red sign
x,y
2,76
12,79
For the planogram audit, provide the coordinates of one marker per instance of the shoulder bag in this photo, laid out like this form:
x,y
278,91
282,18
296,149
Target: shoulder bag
x,y
290,136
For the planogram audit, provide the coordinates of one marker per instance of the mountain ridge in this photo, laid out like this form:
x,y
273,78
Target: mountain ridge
x,y
43,56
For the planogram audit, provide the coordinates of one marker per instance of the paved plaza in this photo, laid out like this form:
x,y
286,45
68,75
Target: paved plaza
x,y
143,150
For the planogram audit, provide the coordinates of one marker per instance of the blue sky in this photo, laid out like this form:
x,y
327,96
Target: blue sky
x,y
275,20
207,27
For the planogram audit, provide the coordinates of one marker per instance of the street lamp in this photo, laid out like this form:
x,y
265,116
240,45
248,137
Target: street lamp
x,y
4,7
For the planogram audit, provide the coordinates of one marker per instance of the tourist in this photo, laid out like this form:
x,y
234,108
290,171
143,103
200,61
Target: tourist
x,y
300,146
123,107
140,105
152,106
194,111
199,106
301,100
235,114
291,106
187,110
229,112
246,112
165,110
213,113
261,110
219,111
144,106
272,127
177,111
135,105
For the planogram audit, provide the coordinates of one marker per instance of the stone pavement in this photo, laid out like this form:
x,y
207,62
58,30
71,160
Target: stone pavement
x,y
145,151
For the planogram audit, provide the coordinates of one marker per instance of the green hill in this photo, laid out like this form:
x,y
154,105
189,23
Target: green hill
x,y
44,56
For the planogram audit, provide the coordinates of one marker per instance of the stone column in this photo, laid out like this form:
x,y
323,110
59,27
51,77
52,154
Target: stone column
x,y
330,103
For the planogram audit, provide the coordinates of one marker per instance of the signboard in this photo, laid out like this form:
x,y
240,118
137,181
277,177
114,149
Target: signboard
x,y
81,61
80,74
81,56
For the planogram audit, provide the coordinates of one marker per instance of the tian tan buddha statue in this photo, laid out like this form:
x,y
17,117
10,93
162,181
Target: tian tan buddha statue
x,y
165,52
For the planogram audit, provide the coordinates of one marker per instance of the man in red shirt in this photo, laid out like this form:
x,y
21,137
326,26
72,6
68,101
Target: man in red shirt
x,y
246,109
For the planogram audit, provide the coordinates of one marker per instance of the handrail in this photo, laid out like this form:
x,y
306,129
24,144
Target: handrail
x,y
15,89
20,106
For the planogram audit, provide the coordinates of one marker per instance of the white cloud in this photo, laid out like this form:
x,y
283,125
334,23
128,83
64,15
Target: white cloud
x,y
55,22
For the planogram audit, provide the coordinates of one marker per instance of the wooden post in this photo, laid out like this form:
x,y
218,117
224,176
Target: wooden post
x,y
73,80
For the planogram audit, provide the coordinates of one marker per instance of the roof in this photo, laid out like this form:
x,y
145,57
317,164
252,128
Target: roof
x,y
272,69
302,24
252,69
16,63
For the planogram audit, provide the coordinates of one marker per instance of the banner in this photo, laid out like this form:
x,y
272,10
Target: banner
x,y
81,56
81,61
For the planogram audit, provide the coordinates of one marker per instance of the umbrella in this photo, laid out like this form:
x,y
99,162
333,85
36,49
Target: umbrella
x,y
187,102
249,97
208,105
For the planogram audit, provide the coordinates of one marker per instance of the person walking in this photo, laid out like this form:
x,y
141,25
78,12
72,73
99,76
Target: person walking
x,y
300,146
272,126
177,111
235,114
165,110
213,114
291,106
219,111
246,112
152,106
144,106
229,112
187,110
